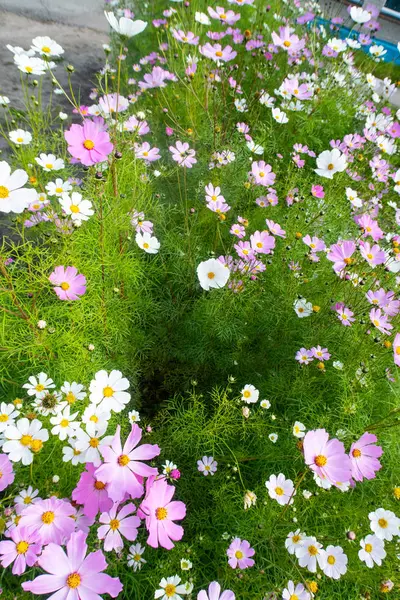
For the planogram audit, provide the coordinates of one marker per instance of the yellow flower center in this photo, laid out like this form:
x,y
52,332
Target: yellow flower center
x,y
239,554
279,491
65,286
36,445
287,44
312,550
161,513
108,391
137,557
146,245
28,69
88,144
294,597
296,539
59,190
3,418
261,173
123,460
39,387
27,500
246,394
25,440
210,275
70,397
170,590
356,453
370,256
383,523
22,547
331,559
74,208
99,485
114,524
64,423
219,53
368,548
94,419
49,166
259,245
48,517
320,460
145,153
398,350
73,580
94,442
20,139
46,49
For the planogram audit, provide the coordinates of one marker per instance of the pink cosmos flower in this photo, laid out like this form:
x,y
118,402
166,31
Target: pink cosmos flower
x,y
380,320
287,40
214,593
122,469
300,91
262,242
326,457
396,350
213,194
89,143
112,104
275,228
238,230
239,553
225,16
244,250
69,284
344,314
217,53
183,155
51,518
304,356
6,472
92,493
317,191
364,455
340,254
22,549
146,153
320,353
262,173
157,78
219,206
370,227
116,524
160,513
315,244
186,38
73,575
372,254
136,126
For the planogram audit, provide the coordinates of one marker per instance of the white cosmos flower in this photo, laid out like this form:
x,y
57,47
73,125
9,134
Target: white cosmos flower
x,y
147,242
299,429
279,115
202,18
64,424
280,489
359,15
32,65
8,414
133,416
308,553
23,439
250,394
337,45
171,589
333,562
58,187
96,414
89,443
13,196
25,498
4,100
372,551
384,524
294,540
49,403
72,454
330,162
49,162
125,26
108,391
134,558
302,308
255,148
73,391
377,51
297,592
212,273
38,386
46,46
76,207
19,50
20,137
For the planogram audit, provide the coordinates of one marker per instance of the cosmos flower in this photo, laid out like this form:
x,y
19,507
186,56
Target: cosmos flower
x,y
364,455
207,465
69,284
214,593
280,489
327,458
212,273
89,143
372,551
22,549
14,197
7,474
118,522
125,26
239,554
52,519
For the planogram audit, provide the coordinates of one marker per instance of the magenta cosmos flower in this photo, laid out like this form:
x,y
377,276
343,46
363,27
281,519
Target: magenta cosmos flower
x,y
69,284
183,155
262,173
326,457
52,518
89,143
239,553
6,472
364,455
122,469
340,254
160,514
214,593
73,575
92,493
22,549
115,525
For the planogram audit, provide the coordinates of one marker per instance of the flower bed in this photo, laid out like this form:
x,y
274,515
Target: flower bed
x,y
200,332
